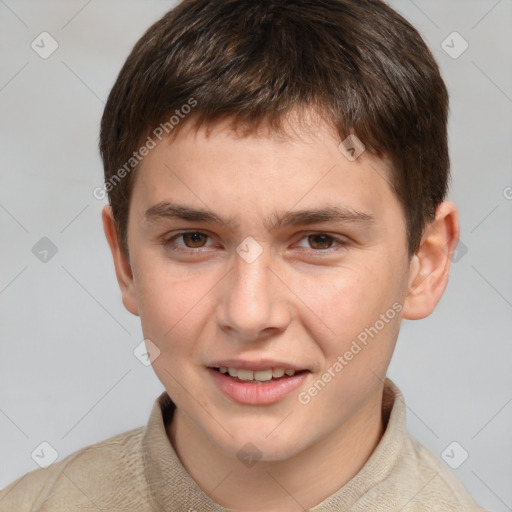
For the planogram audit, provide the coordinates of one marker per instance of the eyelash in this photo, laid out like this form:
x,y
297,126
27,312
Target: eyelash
x,y
168,243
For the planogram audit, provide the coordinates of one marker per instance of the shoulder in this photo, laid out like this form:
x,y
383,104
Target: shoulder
x,y
438,489
406,476
87,478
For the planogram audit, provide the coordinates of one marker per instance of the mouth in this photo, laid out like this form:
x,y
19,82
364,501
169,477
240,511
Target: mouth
x,y
261,386
266,376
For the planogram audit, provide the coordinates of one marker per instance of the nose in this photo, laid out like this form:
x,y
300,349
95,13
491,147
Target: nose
x,y
254,301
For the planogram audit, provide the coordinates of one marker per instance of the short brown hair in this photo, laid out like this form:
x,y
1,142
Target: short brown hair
x,y
358,62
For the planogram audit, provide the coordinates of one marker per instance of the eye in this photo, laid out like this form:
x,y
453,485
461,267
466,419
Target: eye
x,y
322,242
190,240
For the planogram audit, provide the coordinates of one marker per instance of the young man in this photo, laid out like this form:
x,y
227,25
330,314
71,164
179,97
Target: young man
x,y
277,174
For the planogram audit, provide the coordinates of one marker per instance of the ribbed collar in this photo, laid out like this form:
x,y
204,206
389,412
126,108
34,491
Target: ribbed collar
x,y
173,489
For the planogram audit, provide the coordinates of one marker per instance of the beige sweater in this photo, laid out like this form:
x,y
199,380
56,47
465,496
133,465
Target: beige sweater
x,y
139,471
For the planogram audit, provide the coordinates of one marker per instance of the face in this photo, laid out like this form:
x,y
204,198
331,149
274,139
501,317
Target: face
x,y
259,253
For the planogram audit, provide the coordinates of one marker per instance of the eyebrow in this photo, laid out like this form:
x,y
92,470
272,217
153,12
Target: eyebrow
x,y
336,214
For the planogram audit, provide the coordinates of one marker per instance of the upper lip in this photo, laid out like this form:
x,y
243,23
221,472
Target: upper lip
x,y
260,364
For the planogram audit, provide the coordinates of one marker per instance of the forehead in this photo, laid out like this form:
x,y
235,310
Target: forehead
x,y
260,173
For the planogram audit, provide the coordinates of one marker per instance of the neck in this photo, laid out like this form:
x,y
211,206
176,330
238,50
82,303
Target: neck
x,y
279,485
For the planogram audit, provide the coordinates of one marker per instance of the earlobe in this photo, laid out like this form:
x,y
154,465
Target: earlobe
x,y
430,266
122,265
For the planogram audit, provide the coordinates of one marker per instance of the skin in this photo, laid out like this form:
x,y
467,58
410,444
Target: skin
x,y
296,302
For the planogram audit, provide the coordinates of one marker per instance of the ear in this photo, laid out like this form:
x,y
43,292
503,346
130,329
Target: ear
x,y
430,266
122,265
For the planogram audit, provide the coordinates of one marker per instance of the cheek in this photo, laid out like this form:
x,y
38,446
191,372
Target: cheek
x,y
171,305
347,305
173,313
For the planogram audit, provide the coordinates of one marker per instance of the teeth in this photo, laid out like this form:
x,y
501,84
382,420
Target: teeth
x,y
263,375
260,375
244,374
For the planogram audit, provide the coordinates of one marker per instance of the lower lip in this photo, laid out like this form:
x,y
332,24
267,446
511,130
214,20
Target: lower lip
x,y
257,394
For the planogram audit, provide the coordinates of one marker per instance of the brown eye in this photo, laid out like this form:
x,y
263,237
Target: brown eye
x,y
320,241
194,240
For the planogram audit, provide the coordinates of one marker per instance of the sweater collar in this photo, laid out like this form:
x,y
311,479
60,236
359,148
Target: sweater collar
x,y
172,488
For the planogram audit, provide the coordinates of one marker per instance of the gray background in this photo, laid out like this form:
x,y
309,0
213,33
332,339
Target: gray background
x,y
67,372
